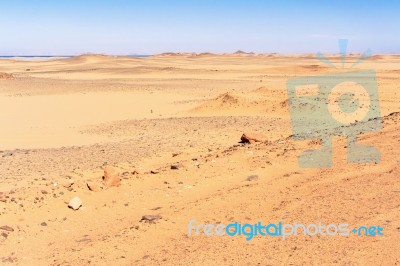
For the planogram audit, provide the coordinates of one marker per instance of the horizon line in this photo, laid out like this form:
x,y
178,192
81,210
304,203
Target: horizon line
x,y
239,52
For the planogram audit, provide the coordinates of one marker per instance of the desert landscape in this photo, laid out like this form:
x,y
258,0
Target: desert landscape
x,y
105,159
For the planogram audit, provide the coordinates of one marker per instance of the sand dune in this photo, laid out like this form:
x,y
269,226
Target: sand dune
x,y
224,102
263,101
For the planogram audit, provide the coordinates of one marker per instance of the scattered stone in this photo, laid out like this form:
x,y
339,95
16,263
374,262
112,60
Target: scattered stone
x,y
68,184
7,228
111,177
43,224
176,166
3,197
126,175
75,203
84,240
7,154
252,178
134,172
93,186
150,218
252,137
44,191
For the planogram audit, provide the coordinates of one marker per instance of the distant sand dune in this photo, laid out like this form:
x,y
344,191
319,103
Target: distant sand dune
x,y
88,58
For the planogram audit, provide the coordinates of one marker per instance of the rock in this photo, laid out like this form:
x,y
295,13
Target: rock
x,y
252,178
150,218
93,186
176,154
252,137
43,224
176,166
85,239
3,197
154,171
68,184
44,191
126,175
7,228
7,154
75,203
111,177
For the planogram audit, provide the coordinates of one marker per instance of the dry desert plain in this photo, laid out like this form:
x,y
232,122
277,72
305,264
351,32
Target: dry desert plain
x,y
63,121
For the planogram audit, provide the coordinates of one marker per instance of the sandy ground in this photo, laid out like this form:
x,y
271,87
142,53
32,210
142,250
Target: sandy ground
x,y
64,120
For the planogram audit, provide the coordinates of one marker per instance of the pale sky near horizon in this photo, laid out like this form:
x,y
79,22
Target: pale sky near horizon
x,y
121,27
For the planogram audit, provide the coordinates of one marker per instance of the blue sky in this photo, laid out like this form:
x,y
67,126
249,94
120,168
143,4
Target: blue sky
x,y
62,27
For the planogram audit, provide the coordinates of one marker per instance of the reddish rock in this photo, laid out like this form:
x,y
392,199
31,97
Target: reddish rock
x,y
252,137
3,197
111,177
